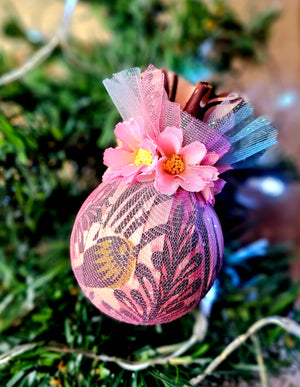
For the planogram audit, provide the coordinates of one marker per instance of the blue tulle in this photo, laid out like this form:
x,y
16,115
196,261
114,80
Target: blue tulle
x,y
249,136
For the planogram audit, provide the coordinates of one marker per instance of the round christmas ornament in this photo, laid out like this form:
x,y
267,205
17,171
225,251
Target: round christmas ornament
x,y
147,244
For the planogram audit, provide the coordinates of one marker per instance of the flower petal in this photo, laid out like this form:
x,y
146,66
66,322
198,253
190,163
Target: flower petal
x,y
117,158
149,145
191,180
170,140
210,158
129,133
130,172
219,185
197,178
146,176
208,172
193,153
139,172
208,195
110,174
224,168
165,182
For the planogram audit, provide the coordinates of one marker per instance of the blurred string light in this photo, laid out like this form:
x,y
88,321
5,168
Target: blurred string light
x,y
268,185
207,302
271,186
6,200
69,9
253,250
288,99
195,71
34,36
205,49
59,38
256,249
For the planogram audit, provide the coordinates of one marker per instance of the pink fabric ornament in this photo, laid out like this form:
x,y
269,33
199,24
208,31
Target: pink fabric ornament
x,y
147,244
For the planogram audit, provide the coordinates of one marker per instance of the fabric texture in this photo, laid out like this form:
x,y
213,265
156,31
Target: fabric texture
x,y
143,257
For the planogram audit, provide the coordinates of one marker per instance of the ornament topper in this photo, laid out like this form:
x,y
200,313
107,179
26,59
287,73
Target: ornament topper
x,y
147,244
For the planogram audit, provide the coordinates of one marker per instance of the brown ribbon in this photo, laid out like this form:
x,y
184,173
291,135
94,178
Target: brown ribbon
x,y
199,100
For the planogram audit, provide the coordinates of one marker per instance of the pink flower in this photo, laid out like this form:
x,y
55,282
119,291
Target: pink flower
x,y
190,167
135,157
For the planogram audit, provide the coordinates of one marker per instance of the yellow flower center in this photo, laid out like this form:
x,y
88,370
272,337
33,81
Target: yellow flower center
x,y
143,157
174,165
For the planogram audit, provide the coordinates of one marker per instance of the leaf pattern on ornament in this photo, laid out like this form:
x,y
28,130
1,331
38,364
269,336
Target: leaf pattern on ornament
x,y
175,290
91,213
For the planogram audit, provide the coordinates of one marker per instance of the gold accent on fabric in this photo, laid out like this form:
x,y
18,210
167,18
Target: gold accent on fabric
x,y
116,260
